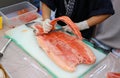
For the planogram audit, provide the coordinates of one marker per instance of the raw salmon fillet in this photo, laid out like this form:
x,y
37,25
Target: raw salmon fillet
x,y
22,11
27,17
65,50
113,75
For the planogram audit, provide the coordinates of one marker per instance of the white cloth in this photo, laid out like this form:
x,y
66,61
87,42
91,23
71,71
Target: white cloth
x,y
81,25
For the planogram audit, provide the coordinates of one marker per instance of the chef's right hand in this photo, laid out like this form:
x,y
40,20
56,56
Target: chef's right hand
x,y
46,25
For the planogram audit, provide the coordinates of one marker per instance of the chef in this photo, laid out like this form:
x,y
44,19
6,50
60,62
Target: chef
x,y
86,14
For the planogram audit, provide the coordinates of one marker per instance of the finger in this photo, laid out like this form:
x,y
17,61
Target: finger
x,y
47,29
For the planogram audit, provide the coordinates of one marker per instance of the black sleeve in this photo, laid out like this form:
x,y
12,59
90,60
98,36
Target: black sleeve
x,y
99,7
50,4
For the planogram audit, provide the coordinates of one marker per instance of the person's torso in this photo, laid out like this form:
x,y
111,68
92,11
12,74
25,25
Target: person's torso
x,y
80,10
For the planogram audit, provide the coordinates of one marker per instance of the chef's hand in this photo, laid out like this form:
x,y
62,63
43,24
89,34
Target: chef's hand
x,y
81,25
46,25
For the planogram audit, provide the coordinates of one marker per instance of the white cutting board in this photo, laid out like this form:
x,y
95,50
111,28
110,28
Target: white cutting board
x,y
25,38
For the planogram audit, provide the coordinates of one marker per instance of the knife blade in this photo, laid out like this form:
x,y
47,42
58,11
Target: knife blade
x,y
58,29
4,47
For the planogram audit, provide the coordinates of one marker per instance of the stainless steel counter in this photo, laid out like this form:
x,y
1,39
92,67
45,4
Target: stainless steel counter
x,y
18,63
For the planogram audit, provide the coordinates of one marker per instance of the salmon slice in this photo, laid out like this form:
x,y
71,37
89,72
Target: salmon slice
x,y
113,75
22,11
65,50
27,17
68,21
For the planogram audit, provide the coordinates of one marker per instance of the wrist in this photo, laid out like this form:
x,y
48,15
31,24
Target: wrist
x,y
46,19
82,25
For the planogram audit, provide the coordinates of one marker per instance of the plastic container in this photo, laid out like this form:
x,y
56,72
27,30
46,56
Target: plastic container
x,y
20,13
109,66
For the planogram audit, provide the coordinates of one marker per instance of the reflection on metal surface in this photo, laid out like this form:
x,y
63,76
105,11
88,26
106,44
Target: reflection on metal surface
x,y
20,65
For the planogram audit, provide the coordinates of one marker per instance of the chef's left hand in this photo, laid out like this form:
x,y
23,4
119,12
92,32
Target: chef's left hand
x,y
81,26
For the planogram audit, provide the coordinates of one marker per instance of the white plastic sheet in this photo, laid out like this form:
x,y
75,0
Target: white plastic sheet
x,y
110,64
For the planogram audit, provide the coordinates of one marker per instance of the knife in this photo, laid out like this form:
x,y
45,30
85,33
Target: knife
x,y
58,29
4,47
